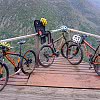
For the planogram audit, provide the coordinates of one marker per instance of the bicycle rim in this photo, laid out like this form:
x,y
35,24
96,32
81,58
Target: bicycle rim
x,y
46,56
4,75
74,54
65,47
28,62
97,64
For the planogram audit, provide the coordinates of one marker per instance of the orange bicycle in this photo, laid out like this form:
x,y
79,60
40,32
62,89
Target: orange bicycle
x,y
94,58
25,63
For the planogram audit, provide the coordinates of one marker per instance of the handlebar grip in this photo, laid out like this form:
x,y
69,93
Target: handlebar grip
x,y
84,36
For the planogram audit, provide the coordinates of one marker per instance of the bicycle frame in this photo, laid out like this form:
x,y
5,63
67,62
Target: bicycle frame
x,y
11,60
88,54
6,54
85,44
63,38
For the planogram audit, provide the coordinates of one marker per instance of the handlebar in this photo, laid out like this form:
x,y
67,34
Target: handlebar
x,y
4,48
61,29
98,42
84,36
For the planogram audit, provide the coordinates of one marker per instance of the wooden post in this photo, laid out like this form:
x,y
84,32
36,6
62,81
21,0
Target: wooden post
x,y
37,49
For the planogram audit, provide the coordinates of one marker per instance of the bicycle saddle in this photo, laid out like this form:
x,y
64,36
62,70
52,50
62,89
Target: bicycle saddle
x,y
98,40
21,42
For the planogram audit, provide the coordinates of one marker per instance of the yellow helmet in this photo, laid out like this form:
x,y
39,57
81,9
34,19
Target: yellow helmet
x,y
6,44
44,21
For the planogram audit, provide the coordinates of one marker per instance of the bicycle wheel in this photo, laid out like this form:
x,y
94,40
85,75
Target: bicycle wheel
x,y
4,75
74,54
28,62
46,56
96,64
65,47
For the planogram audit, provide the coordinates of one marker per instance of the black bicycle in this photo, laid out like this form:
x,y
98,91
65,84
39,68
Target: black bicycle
x,y
48,52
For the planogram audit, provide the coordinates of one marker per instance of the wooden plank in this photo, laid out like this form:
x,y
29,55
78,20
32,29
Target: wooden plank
x,y
20,79
60,75
63,74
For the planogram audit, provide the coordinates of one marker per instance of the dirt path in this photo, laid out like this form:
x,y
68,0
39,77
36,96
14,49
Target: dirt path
x,y
47,93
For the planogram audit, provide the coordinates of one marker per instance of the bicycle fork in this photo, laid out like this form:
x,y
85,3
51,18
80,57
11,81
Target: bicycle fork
x,y
90,61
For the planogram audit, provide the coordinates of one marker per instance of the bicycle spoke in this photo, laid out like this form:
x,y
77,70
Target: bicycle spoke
x,y
74,54
96,64
28,62
46,56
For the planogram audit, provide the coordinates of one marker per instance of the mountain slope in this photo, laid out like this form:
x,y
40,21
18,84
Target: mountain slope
x,y
17,16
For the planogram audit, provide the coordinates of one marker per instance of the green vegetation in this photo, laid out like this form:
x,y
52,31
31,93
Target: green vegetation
x,y
17,16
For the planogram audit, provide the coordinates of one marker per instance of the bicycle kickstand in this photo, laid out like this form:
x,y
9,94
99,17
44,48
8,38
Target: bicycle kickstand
x,y
90,66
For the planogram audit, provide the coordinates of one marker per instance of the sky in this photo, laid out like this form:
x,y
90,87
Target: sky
x,y
96,3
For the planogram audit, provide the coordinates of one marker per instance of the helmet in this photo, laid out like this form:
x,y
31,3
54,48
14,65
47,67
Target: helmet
x,y
76,38
44,21
6,44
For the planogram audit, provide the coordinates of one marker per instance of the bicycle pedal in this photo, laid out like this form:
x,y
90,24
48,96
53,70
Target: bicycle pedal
x,y
17,73
57,54
90,63
16,69
90,68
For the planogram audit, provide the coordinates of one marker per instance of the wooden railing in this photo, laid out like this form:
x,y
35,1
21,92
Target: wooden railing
x,y
18,38
69,31
62,29
81,32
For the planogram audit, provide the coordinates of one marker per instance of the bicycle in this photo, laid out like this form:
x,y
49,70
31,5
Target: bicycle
x,y
4,75
25,63
48,52
94,59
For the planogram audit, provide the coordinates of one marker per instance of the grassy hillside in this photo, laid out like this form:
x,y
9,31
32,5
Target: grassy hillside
x,y
17,16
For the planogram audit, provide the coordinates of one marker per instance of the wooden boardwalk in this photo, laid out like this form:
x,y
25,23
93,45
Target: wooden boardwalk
x,y
21,80
60,74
